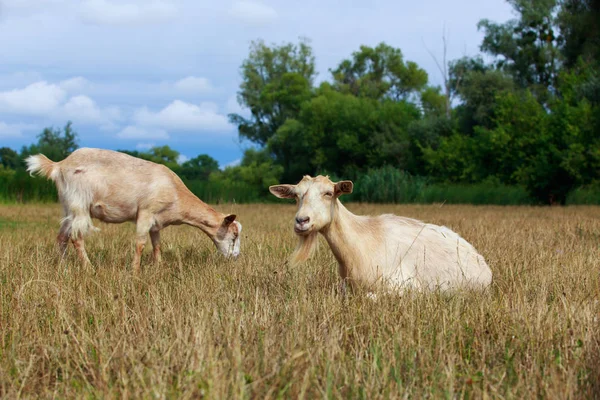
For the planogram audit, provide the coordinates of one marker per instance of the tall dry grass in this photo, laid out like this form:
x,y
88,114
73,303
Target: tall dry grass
x,y
200,326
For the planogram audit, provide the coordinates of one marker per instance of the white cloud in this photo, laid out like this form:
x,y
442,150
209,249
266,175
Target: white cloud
x,y
82,107
50,100
136,132
253,13
104,12
35,99
64,100
180,115
189,87
12,130
193,84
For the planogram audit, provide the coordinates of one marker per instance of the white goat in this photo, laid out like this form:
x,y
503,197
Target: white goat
x,y
115,187
387,250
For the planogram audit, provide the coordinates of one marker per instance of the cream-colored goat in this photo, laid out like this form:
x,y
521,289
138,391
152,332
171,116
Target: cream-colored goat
x,y
387,250
115,187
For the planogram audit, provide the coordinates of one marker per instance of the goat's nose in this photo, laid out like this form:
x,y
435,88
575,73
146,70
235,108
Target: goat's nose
x,y
302,220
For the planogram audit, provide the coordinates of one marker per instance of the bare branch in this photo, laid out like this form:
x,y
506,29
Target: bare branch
x,y
443,69
434,59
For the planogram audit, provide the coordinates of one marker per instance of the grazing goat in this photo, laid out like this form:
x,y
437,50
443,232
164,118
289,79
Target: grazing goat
x,y
387,250
115,187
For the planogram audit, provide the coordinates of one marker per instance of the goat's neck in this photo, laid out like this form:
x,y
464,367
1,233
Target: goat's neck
x,y
342,235
197,213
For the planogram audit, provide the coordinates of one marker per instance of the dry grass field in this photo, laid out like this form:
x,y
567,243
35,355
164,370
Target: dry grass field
x,y
199,326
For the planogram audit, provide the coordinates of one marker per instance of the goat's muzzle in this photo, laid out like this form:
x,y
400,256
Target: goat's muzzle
x,y
302,226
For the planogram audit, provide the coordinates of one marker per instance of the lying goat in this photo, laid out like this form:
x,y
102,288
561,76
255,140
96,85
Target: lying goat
x,y
387,250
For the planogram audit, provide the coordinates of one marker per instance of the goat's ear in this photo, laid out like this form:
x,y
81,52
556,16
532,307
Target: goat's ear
x,y
229,219
283,191
343,187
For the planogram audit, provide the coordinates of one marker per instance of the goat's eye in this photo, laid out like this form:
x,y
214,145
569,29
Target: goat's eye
x,y
328,194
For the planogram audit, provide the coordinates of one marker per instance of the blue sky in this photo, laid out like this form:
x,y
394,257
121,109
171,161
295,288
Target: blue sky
x,y
132,74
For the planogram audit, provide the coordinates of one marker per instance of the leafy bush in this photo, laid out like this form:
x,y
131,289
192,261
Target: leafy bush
x,y
585,195
391,185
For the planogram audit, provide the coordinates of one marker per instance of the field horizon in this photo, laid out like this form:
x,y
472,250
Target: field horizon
x,y
201,326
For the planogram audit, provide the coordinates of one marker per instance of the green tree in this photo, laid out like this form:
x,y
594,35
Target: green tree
x,y
551,152
331,134
275,82
199,167
9,158
528,47
391,142
343,135
257,169
133,153
5,172
433,101
54,143
379,72
547,152
424,133
579,22
162,155
453,159
157,154
476,86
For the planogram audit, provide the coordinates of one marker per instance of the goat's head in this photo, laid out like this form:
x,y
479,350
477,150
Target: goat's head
x,y
228,237
316,199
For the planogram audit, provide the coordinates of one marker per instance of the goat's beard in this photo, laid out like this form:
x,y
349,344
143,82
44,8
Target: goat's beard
x,y
305,248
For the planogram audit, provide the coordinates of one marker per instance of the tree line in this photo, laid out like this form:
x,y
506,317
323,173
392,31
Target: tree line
x,y
521,128
529,118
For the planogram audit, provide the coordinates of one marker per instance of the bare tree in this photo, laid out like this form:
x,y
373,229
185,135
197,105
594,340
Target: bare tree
x,y
443,68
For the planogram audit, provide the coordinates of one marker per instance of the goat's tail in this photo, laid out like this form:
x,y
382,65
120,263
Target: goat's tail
x,y
42,165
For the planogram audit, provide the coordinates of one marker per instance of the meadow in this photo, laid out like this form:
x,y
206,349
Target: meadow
x,y
200,326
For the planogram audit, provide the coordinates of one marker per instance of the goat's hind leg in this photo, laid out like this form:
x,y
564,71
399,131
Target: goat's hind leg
x,y
62,240
64,233
81,224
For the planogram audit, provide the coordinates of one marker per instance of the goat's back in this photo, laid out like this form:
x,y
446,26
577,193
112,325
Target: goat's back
x,y
434,254
115,183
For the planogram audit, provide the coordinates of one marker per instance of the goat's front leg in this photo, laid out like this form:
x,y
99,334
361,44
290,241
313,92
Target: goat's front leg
x,y
155,238
143,226
140,243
